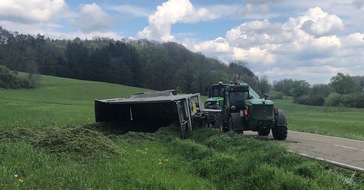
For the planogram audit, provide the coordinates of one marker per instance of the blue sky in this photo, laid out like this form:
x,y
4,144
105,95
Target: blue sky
x,y
309,40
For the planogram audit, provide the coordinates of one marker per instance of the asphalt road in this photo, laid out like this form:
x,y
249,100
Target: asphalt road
x,y
340,151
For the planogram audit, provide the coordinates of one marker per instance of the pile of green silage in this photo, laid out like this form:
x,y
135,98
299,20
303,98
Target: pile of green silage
x,y
91,141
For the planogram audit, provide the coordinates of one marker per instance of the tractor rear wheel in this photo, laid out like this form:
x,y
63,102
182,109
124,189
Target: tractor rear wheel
x,y
264,132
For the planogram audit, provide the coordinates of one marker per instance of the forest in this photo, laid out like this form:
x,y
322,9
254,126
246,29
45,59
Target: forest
x,y
139,63
153,65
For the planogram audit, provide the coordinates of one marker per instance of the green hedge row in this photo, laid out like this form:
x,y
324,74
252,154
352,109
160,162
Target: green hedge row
x,y
355,100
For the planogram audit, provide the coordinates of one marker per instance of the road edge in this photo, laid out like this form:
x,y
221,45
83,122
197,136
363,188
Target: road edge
x,y
347,166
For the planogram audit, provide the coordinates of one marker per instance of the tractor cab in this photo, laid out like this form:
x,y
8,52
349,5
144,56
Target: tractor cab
x,y
216,96
235,97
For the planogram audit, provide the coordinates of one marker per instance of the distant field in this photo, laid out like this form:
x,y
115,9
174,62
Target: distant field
x,y
57,102
48,140
340,122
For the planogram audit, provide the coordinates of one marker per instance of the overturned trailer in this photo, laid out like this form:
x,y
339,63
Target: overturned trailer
x,y
152,110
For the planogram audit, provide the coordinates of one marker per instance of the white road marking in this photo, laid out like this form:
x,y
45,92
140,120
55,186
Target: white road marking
x,y
355,168
348,147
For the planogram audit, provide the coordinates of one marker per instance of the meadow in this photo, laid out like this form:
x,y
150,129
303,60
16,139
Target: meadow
x,y
332,121
48,140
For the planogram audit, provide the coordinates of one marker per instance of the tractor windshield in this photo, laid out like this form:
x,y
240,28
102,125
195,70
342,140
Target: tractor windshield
x,y
238,97
218,91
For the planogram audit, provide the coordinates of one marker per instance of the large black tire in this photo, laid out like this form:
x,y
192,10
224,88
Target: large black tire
x,y
264,132
280,130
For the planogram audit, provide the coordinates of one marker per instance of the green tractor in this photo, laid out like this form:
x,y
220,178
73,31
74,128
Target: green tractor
x,y
243,109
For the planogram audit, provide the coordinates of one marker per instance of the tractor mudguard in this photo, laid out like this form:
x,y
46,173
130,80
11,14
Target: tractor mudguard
x,y
237,121
281,120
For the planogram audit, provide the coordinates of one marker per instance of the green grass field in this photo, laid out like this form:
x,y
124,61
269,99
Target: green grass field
x,y
333,121
48,140
57,102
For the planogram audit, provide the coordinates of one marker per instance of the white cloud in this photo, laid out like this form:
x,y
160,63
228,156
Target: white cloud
x,y
169,13
255,55
358,4
355,40
255,11
311,74
254,33
219,45
32,11
319,23
50,31
260,1
92,18
130,9
293,49
83,36
29,28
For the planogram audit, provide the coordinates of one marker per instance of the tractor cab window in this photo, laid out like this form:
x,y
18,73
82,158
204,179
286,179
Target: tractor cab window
x,y
238,97
218,91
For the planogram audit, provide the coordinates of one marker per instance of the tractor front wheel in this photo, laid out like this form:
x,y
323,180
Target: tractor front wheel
x,y
264,132
280,132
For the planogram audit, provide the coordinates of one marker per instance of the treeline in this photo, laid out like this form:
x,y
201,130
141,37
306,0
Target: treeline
x,y
140,63
342,91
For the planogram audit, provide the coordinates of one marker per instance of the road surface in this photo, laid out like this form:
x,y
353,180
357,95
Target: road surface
x,y
339,151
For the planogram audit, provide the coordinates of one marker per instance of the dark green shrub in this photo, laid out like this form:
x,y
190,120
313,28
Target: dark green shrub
x,y
334,100
311,100
303,100
10,79
317,100
355,100
359,99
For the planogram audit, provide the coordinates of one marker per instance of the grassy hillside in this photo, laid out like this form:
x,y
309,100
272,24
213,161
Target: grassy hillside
x,y
57,102
48,140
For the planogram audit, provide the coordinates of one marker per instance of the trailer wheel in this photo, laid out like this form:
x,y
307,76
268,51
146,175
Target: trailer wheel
x,y
280,130
264,132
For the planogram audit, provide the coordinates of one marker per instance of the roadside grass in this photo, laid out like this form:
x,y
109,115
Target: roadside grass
x,y
162,160
333,121
48,140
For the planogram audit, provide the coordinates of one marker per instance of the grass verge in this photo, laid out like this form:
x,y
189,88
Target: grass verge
x,y
157,161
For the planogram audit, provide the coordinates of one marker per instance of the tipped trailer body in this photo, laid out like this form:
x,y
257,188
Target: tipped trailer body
x,y
153,109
